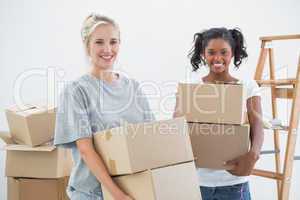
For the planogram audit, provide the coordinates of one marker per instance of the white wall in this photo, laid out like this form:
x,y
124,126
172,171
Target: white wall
x,y
156,36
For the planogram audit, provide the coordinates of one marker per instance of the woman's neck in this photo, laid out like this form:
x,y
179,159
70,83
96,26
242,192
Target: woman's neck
x,y
106,75
222,77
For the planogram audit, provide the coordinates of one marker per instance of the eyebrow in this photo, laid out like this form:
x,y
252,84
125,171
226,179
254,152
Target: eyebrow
x,y
103,39
221,49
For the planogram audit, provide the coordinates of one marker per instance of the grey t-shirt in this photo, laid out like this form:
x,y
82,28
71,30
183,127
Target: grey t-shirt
x,y
88,105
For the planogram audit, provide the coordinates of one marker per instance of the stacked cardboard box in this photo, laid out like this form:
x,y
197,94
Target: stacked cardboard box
x,y
172,182
33,165
36,189
216,113
150,160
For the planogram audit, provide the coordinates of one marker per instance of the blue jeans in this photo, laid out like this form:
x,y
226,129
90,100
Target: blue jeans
x,y
77,195
232,192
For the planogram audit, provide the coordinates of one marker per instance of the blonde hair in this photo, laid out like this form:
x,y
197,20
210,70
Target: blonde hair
x,y
90,24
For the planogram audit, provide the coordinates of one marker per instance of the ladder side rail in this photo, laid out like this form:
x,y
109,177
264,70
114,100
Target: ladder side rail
x,y
292,138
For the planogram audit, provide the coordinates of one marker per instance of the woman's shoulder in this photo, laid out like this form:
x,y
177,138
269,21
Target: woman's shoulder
x,y
130,82
251,86
77,86
249,83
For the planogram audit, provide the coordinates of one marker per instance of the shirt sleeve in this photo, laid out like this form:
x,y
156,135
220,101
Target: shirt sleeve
x,y
252,89
72,119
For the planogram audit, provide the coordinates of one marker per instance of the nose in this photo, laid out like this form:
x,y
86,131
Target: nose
x,y
218,57
107,48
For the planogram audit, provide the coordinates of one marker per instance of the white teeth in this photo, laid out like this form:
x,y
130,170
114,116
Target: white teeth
x,y
218,64
106,57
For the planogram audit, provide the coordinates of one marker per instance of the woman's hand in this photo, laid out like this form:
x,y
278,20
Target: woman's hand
x,y
123,196
127,198
95,163
243,165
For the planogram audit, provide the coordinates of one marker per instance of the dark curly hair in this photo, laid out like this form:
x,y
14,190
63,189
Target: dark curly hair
x,y
234,37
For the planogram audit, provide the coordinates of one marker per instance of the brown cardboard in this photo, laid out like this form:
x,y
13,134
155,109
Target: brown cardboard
x,y
213,144
33,125
177,182
137,147
212,103
36,189
44,161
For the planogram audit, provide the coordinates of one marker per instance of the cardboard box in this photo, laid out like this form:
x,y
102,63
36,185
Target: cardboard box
x,y
214,144
33,125
45,161
36,189
137,147
177,182
212,103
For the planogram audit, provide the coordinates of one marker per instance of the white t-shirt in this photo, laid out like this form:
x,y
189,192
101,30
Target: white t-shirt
x,y
216,178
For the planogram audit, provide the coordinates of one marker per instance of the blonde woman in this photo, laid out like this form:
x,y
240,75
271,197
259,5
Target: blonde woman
x,y
98,100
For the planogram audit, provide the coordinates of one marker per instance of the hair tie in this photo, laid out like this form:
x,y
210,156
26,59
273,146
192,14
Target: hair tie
x,y
91,24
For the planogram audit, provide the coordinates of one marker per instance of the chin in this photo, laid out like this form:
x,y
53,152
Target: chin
x,y
219,72
105,67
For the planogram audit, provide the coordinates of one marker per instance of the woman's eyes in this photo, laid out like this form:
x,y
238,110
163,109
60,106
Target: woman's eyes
x,y
223,53
211,53
113,42
99,42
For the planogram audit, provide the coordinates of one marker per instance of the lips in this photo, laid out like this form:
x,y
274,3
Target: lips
x,y
218,65
107,57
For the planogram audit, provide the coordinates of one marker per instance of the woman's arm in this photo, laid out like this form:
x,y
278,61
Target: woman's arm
x,y
244,164
95,163
256,124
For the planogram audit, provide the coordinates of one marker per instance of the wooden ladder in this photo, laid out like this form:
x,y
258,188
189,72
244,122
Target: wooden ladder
x,y
287,89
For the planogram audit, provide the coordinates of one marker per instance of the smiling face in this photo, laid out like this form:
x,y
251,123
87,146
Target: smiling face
x,y
103,46
218,55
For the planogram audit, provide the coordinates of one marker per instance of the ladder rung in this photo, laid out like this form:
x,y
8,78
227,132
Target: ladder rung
x,y
297,158
269,152
277,82
284,93
267,174
280,128
280,37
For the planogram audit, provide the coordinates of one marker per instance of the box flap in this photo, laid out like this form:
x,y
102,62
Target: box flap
x,y
16,108
6,138
39,110
29,109
19,147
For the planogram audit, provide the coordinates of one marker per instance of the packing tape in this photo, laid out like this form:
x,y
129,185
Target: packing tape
x,y
108,135
112,165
